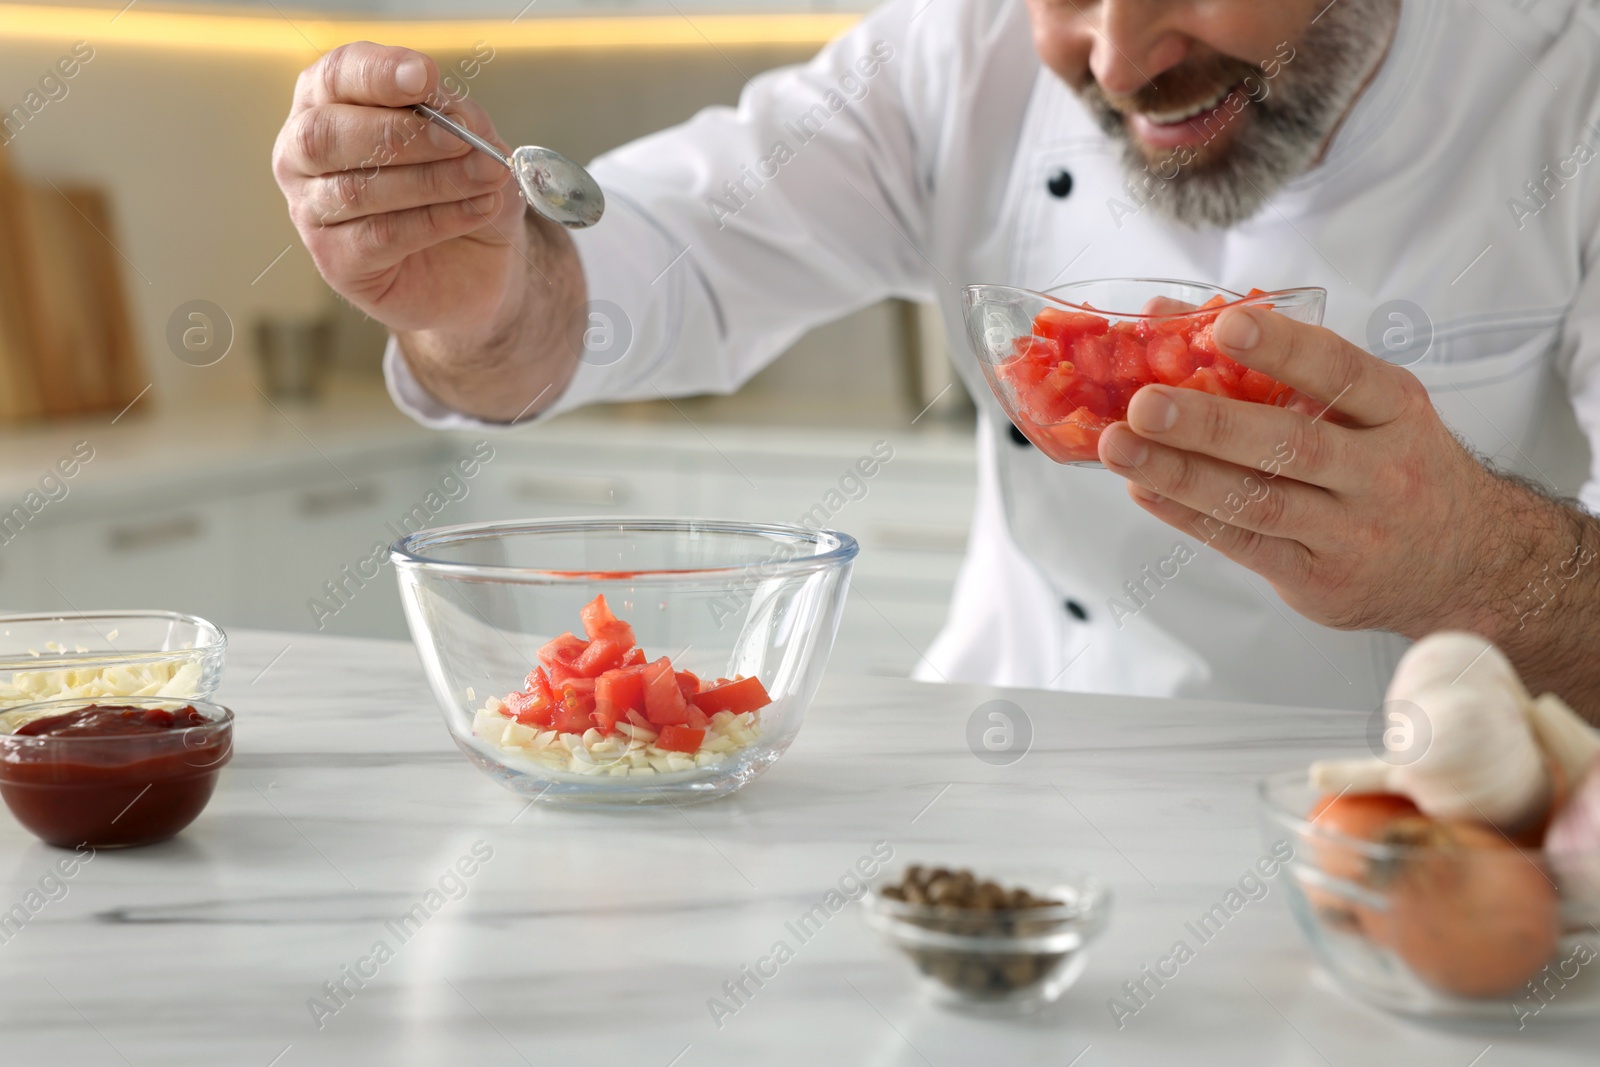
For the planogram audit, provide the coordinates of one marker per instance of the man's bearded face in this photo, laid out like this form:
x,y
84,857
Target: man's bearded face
x,y
1215,106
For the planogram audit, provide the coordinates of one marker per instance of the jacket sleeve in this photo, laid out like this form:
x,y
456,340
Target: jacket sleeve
x,y
728,237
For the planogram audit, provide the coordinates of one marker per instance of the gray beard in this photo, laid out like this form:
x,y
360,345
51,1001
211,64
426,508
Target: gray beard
x,y
1290,123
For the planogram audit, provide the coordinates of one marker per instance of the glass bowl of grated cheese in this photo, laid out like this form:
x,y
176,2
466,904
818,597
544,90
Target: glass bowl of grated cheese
x,y
92,656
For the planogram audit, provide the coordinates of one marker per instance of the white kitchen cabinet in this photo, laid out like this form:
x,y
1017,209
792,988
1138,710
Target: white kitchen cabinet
x,y
910,517
21,584
178,555
305,557
542,478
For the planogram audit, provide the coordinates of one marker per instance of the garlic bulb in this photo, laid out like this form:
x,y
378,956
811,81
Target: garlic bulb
x,y
1481,761
1573,845
1568,739
1454,657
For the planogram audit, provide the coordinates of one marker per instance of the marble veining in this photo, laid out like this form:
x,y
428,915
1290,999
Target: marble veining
x,y
317,913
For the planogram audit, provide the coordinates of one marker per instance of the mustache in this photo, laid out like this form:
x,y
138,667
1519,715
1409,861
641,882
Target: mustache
x,y
1174,89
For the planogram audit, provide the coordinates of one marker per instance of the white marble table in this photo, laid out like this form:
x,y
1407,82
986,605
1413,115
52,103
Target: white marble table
x,y
598,938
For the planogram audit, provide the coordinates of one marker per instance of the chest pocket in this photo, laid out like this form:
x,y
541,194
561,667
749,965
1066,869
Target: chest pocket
x,y
1489,378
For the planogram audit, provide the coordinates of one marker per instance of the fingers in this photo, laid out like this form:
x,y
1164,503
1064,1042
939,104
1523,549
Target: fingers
x,y
1253,436
1276,559
342,162
336,137
365,73
355,194
1246,498
1316,361
366,246
339,137
1165,305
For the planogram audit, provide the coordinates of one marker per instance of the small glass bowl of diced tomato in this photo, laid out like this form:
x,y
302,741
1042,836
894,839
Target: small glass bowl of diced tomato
x,y
1065,363
623,661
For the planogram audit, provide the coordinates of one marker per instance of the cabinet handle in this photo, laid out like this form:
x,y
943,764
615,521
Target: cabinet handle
x,y
570,490
137,537
909,537
332,501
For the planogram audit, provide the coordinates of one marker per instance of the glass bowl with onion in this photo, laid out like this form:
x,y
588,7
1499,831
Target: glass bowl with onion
x,y
623,661
1434,918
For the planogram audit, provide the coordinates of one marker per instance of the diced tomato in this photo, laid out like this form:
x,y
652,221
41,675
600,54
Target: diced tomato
x,y
531,709
1092,356
1171,361
635,658
1075,439
1259,388
1045,400
680,739
1064,326
1077,391
1071,443
1023,376
664,703
1229,371
538,683
574,710
600,624
1090,420
688,682
1170,326
603,654
615,694
559,655
1199,321
1207,380
1076,372
1042,350
738,696
572,718
698,719
1129,363
1204,345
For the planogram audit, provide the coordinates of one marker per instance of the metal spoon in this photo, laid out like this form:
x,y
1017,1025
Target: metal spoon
x,y
552,184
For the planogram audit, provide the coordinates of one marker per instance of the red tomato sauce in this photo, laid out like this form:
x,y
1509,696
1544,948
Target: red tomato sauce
x,y
112,776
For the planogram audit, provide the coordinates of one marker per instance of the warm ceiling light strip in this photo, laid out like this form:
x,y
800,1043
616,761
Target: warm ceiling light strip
x,y
303,35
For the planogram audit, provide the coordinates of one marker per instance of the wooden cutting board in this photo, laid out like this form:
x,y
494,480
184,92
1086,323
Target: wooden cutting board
x,y
19,388
83,357
86,359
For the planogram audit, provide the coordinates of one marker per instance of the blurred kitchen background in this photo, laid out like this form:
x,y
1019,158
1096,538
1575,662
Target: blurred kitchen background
x,y
190,419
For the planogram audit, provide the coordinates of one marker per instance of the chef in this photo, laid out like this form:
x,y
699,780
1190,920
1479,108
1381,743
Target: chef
x,y
1431,163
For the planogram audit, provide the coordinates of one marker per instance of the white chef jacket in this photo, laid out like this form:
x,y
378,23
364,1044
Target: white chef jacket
x,y
728,237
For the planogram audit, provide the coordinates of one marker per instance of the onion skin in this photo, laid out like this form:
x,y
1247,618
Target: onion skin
x,y
1470,914
1363,817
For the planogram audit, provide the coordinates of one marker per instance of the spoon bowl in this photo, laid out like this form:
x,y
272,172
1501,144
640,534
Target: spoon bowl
x,y
553,185
559,189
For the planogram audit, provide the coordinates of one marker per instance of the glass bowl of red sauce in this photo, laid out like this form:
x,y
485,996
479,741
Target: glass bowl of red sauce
x,y
1064,363
122,772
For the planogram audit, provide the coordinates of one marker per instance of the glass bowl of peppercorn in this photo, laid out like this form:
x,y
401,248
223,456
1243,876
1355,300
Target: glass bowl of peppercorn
x,y
1004,945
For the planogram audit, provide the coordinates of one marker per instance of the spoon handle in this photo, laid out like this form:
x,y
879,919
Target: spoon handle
x,y
439,119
